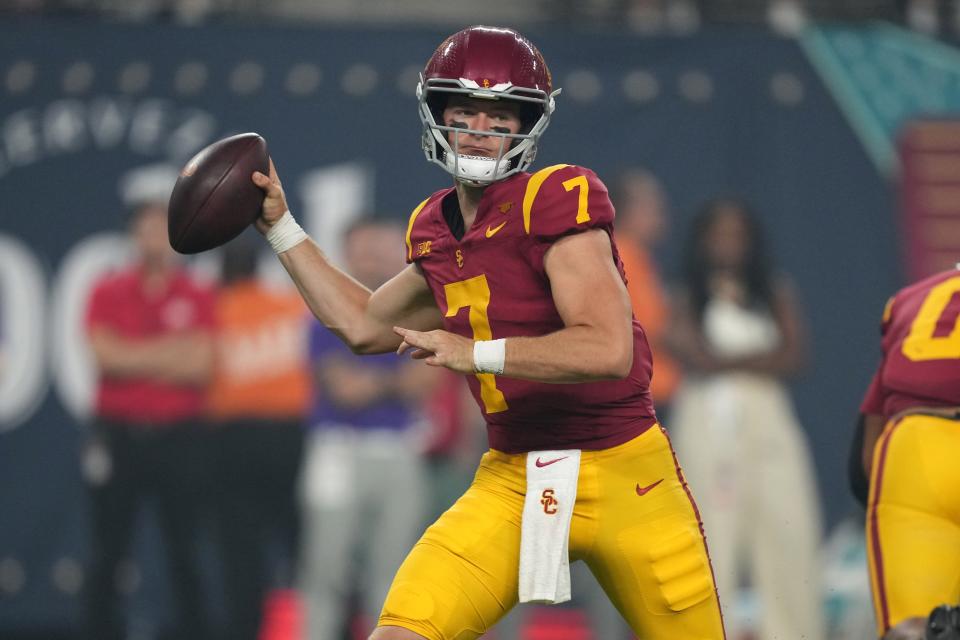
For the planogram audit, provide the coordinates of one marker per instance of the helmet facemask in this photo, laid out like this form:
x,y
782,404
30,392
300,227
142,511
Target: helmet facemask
x,y
516,150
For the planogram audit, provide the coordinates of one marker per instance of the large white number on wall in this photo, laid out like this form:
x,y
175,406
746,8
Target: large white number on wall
x,y
70,360
333,197
22,300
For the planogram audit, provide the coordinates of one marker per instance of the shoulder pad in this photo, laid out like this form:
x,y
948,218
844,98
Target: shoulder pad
x,y
565,199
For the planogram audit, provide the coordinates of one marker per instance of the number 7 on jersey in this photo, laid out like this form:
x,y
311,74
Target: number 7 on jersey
x,y
474,293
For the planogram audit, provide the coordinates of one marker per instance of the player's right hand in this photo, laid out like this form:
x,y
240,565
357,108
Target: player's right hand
x,y
274,202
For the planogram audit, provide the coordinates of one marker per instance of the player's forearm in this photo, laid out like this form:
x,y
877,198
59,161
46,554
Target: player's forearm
x,y
573,354
186,360
119,357
338,301
178,359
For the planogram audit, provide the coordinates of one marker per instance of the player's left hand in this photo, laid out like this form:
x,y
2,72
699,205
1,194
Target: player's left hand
x,y
438,348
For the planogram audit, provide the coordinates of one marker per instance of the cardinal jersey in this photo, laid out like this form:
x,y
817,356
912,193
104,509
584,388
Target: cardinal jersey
x,y
492,284
921,348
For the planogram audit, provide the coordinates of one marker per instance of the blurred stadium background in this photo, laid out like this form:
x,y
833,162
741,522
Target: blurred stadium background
x,y
835,118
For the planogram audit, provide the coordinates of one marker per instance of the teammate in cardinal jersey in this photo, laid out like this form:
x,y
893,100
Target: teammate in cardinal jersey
x,y
514,281
910,423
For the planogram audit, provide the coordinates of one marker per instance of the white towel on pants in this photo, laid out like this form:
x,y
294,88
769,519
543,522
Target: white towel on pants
x,y
545,527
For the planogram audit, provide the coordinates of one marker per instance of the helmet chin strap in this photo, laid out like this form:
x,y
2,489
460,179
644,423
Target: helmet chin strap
x,y
476,171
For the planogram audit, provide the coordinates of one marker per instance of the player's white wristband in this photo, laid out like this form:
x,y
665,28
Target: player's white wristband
x,y
285,233
488,355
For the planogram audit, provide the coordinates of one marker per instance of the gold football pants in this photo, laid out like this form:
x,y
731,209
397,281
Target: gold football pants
x,y
634,524
913,518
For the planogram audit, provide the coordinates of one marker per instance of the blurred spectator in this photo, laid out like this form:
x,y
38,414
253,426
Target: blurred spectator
x,y
737,330
364,484
640,225
456,438
257,402
149,327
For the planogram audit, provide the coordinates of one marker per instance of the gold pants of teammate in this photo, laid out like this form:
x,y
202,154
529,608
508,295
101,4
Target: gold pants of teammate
x,y
913,519
634,524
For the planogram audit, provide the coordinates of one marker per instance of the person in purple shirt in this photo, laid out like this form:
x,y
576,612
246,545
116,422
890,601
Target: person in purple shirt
x,y
364,485
361,394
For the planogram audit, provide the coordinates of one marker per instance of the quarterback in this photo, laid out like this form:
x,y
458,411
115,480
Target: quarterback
x,y
910,419
514,280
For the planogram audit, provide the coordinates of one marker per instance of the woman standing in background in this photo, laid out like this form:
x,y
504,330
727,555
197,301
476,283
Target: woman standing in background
x,y
738,334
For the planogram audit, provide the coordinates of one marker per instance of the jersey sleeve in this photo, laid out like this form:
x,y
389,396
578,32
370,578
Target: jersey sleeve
x,y
873,399
565,199
887,316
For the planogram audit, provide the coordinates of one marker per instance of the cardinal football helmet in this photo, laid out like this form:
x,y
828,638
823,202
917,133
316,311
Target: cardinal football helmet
x,y
490,63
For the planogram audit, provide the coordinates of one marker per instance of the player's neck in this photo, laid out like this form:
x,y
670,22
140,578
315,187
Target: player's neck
x,y
155,274
469,199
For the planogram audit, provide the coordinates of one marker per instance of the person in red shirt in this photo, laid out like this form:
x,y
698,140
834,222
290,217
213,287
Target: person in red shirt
x,y
150,330
514,280
908,444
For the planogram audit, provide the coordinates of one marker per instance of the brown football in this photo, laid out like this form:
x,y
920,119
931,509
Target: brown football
x,y
215,199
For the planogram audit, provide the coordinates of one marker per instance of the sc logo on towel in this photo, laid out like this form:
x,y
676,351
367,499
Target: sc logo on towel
x,y
549,502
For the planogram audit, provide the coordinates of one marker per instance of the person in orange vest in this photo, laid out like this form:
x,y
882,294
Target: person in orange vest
x,y
256,403
641,223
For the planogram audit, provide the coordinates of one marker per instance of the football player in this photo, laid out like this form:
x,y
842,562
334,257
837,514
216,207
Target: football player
x,y
910,434
943,623
514,280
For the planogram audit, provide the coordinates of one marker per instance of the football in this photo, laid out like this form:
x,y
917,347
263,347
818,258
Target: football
x,y
214,198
